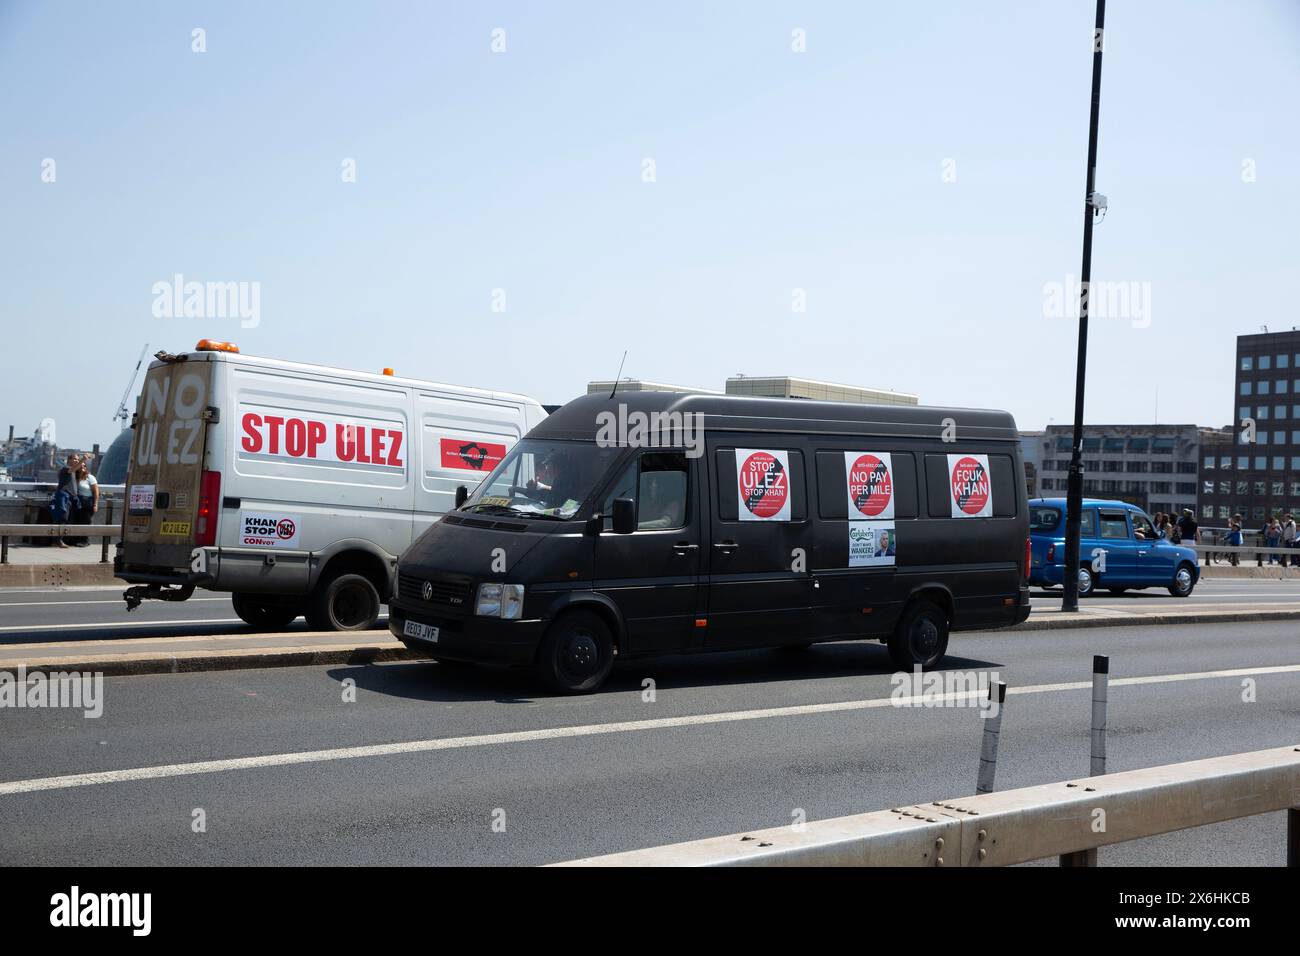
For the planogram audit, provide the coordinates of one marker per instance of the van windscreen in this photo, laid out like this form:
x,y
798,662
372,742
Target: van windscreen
x,y
543,479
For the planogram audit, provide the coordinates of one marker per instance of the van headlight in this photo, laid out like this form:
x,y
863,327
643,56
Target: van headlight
x,y
500,600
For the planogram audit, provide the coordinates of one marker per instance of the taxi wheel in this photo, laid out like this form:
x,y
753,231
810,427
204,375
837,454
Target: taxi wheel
x,y
1086,581
344,602
577,653
1184,581
257,611
921,637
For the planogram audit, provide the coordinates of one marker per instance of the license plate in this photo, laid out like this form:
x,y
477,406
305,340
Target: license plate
x,y
424,632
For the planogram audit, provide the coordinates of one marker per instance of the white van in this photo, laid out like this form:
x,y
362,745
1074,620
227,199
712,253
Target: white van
x,y
294,486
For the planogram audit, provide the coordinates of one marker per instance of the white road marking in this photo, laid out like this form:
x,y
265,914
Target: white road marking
x,y
110,601
125,622
588,730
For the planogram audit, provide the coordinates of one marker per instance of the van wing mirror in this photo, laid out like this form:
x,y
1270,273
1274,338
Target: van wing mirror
x,y
624,515
461,494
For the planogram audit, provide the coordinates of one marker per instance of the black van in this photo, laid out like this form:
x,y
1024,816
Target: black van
x,y
664,523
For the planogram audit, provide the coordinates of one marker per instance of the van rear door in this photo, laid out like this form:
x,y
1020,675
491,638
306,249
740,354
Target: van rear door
x,y
169,498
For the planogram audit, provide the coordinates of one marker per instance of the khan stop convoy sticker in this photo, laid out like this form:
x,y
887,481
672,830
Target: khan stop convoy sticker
x,y
970,488
871,484
763,484
268,530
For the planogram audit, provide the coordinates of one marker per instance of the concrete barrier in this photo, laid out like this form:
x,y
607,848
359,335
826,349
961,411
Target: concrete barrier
x,y
1016,826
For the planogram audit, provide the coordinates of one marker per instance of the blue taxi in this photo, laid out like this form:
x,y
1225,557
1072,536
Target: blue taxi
x,y
1118,549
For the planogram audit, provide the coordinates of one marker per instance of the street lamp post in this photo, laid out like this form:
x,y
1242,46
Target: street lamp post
x,y
1074,494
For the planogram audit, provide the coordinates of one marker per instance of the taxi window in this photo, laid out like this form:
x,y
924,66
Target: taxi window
x,y
1113,524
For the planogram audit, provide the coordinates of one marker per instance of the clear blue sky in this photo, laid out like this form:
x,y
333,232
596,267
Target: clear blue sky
x,y
522,171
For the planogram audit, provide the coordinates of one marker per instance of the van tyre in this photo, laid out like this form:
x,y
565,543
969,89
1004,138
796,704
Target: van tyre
x,y
263,611
577,653
921,637
1184,581
343,602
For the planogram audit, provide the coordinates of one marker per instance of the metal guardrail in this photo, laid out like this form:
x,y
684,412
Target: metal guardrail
x,y
1065,820
51,486
106,532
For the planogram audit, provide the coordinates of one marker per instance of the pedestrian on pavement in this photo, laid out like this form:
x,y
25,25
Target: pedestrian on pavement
x,y
1273,537
1234,539
87,499
1288,538
1187,528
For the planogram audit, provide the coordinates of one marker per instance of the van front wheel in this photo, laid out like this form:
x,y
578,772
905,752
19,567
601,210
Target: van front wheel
x,y
577,653
921,637
257,611
345,602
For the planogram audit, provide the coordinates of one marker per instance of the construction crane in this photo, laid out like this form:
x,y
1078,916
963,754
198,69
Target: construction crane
x,y
122,414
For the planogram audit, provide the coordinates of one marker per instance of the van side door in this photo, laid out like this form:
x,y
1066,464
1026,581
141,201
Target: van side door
x,y
654,575
761,547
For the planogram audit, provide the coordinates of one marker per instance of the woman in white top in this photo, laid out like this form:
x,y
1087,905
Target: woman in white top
x,y
87,499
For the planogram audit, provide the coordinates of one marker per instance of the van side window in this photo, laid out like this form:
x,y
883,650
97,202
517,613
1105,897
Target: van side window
x,y
1142,529
1113,525
1088,523
729,506
1002,486
657,482
832,497
1002,470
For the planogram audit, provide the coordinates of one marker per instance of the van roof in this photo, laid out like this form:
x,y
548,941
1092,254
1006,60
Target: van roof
x,y
577,419
239,358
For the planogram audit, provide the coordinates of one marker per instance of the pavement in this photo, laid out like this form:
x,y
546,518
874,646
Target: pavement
x,y
420,763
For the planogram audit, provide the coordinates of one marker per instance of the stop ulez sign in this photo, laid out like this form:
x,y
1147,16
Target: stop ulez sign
x,y
763,484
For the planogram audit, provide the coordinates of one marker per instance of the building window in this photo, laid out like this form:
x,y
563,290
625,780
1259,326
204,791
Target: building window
x,y
1263,387
1161,487
1225,462
1295,489
1186,487
1279,387
1063,445
1092,444
1261,462
1162,467
1261,438
1242,486
1138,467
1279,462
1265,361
1209,462
1225,511
1207,487
1247,363
1187,467
1243,412
1139,445
1284,361
1092,464
1245,389
1261,413
1242,462
1207,511
1277,489
1225,487
1112,465
1257,512
1259,489
1295,462
1279,411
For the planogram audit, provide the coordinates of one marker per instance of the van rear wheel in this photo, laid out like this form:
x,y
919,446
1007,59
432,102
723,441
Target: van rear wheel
x,y
263,611
577,653
344,602
921,637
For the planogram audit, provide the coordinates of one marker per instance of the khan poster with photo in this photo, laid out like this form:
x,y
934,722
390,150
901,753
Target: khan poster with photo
x,y
871,544
870,477
969,486
763,484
